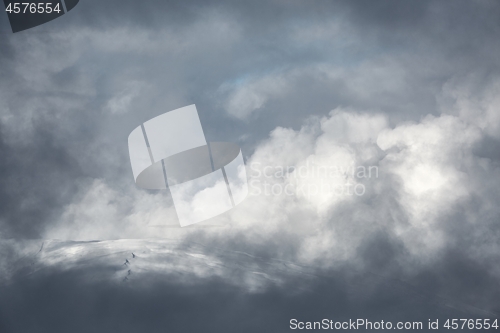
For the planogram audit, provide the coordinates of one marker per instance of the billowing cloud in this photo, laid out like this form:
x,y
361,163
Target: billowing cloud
x,y
320,193
370,133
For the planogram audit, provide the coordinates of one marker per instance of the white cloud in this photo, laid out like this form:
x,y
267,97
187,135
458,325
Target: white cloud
x,y
122,100
424,171
474,100
245,97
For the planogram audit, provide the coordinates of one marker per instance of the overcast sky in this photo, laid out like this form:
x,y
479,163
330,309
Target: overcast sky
x,y
411,88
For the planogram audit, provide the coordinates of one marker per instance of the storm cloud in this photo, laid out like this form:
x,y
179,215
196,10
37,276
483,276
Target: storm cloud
x,y
313,92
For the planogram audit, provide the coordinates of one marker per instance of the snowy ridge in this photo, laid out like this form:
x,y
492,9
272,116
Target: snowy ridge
x,y
130,260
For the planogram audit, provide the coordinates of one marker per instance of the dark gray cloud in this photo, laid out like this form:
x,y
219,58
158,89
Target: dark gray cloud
x,y
33,189
72,90
78,300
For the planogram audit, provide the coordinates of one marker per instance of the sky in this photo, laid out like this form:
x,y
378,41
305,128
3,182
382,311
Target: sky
x,y
409,90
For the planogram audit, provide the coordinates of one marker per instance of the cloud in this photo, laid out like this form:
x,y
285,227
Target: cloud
x,y
474,98
413,89
122,101
246,97
323,192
